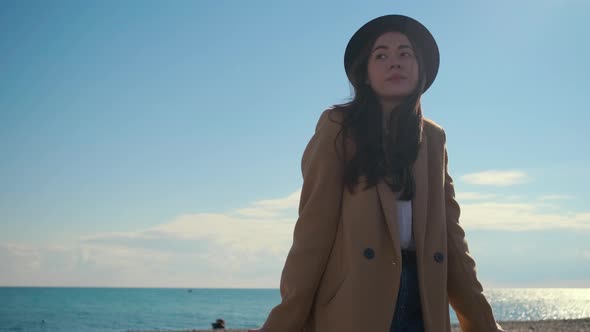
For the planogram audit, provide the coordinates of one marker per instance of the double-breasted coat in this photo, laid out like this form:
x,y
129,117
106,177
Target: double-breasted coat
x,y
342,272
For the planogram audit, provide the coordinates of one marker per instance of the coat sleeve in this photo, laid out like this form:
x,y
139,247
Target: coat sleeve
x,y
464,289
315,229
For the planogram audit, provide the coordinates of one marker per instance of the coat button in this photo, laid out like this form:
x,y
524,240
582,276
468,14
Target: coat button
x,y
369,253
439,257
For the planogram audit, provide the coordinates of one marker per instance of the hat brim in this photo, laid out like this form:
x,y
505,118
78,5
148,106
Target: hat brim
x,y
415,31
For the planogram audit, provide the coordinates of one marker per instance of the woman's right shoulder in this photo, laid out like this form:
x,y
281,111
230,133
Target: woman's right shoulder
x,y
330,121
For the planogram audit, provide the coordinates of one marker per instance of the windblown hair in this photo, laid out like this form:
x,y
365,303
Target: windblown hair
x,y
381,156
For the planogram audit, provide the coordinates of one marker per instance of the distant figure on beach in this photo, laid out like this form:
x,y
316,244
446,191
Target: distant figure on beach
x,y
219,324
377,245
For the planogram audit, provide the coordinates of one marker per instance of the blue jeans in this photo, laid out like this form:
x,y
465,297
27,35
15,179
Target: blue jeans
x,y
408,312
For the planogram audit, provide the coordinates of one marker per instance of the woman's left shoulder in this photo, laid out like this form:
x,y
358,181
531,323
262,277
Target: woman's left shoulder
x,y
433,130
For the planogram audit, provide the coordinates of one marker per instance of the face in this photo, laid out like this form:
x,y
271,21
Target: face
x,y
392,67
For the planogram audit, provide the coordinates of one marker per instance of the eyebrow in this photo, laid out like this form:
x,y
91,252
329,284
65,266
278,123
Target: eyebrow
x,y
386,47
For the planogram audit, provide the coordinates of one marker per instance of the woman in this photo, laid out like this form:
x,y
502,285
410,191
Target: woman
x,y
378,245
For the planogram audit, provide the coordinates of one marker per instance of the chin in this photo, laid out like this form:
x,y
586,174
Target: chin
x,y
395,96
398,93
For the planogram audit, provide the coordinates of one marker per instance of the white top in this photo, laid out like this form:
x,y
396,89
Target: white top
x,y
404,220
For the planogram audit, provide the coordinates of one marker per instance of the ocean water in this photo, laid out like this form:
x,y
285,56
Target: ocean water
x,y
123,309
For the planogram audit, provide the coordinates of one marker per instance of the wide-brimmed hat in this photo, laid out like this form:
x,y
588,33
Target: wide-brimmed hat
x,y
415,31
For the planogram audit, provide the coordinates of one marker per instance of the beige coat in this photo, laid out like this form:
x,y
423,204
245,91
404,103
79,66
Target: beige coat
x,y
343,270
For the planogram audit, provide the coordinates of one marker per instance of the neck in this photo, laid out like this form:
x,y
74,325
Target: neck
x,y
387,108
388,105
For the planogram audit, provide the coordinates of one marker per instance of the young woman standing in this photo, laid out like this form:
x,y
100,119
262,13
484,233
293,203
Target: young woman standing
x,y
378,245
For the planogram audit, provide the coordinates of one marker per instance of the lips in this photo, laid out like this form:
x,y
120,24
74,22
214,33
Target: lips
x,y
395,77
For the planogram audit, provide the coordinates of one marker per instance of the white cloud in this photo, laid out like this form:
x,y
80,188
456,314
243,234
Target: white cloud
x,y
520,216
231,249
76,264
554,197
496,178
473,196
271,207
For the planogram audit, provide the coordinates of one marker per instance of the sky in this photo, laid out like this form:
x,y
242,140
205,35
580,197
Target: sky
x,y
158,144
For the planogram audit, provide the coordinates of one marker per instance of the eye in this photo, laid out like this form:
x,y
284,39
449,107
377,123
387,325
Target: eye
x,y
380,56
406,54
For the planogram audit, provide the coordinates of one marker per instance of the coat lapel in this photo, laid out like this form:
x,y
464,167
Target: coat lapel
x,y
388,200
389,206
420,202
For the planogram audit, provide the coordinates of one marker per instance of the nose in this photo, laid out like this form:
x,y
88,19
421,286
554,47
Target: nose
x,y
395,64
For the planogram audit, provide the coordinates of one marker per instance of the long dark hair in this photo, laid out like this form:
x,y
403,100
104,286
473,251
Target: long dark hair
x,y
378,156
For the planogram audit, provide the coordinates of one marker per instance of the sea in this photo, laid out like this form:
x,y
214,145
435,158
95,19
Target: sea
x,y
164,309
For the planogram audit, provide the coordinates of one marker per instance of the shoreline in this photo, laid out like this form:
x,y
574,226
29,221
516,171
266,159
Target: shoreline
x,y
553,325
550,325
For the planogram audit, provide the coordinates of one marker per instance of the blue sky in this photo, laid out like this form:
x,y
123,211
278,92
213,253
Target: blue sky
x,y
152,143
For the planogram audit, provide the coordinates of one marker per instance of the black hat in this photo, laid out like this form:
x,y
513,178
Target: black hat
x,y
415,31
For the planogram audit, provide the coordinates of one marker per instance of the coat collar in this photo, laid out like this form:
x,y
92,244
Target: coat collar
x,y
388,201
